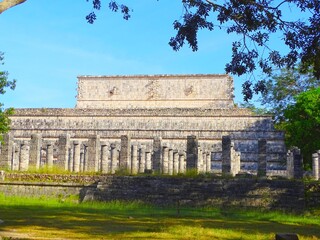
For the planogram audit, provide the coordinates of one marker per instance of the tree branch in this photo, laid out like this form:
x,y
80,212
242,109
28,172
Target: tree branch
x,y
6,4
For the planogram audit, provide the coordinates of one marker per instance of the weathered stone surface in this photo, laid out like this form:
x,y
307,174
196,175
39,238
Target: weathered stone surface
x,y
287,236
125,151
134,159
192,152
76,156
159,91
94,153
6,151
262,158
114,158
64,145
35,149
142,158
104,157
165,160
24,156
294,164
316,165
238,192
166,108
49,156
157,153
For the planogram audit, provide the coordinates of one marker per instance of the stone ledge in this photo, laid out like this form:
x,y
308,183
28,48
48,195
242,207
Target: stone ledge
x,y
175,112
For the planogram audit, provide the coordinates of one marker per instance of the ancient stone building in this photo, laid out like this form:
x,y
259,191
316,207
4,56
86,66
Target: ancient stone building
x,y
166,107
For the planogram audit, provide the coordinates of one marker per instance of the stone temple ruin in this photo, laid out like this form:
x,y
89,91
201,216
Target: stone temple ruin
x,y
159,123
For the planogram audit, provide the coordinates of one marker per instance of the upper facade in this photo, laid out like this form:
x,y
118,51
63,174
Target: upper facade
x,y
211,91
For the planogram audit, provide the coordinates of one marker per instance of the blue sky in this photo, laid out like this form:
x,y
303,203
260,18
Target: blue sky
x,y
47,44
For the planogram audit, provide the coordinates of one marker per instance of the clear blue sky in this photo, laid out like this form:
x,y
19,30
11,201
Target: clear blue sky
x,y
47,44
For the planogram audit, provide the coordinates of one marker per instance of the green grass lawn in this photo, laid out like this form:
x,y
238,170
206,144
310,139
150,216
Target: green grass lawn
x,y
27,218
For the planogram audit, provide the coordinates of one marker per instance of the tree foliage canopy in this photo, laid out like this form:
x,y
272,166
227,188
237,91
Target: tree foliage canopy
x,y
254,20
302,123
5,113
283,87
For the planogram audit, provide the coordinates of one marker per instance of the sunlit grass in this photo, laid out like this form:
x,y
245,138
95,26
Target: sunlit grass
x,y
66,219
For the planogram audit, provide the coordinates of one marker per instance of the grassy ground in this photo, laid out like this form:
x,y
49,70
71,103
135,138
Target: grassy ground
x,y
27,218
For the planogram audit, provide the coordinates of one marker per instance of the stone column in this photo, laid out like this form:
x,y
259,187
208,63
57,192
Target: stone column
x,y
298,164
82,159
24,156
192,152
157,154
295,164
289,164
148,161
165,158
114,158
142,158
125,163
104,157
93,153
262,157
49,155
86,157
226,155
170,161
70,159
204,161
16,157
63,145
35,150
175,162
6,151
200,165
181,162
208,162
76,156
134,159
235,161
315,165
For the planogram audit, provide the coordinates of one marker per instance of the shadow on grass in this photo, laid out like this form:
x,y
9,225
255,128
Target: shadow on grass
x,y
89,222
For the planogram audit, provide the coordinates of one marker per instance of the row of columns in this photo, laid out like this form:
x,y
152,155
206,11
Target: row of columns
x,y
95,155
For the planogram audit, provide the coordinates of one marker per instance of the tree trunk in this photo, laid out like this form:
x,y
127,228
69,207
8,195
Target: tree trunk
x,y
6,4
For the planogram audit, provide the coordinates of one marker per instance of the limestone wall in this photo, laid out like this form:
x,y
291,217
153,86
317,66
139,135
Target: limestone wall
x,y
172,125
156,91
178,192
258,193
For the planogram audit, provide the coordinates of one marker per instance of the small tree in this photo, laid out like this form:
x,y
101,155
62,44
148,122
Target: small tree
x,y
283,87
5,113
302,123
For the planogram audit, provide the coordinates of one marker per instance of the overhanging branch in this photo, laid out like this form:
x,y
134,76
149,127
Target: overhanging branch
x,y
6,4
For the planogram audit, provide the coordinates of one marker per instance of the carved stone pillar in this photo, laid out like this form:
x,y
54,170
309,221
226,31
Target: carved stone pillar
x,y
24,156
76,156
104,157
192,152
134,159
35,150
49,155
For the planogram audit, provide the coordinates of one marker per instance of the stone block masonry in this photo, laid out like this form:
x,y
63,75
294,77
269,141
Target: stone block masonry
x,y
35,146
167,107
215,192
7,151
157,91
105,156
238,192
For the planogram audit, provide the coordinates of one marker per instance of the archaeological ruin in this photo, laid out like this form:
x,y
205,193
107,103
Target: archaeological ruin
x,y
143,124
